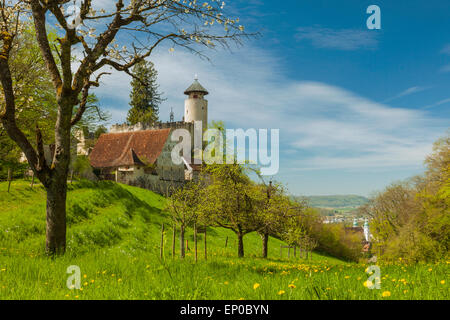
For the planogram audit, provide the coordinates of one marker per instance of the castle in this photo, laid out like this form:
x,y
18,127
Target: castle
x,y
140,155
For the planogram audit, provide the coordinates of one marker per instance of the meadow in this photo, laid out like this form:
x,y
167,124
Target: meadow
x,y
114,237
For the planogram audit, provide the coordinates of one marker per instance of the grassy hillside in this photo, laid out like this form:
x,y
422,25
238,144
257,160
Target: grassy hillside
x,y
114,235
336,201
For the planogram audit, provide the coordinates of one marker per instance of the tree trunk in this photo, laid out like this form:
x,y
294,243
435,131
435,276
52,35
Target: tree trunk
x,y
240,245
195,241
182,251
173,241
9,178
32,180
56,217
56,185
265,241
206,249
161,248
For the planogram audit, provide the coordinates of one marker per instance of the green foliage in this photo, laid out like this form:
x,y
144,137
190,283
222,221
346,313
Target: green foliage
x,y
184,204
230,201
99,131
93,117
184,207
411,220
81,168
35,99
145,97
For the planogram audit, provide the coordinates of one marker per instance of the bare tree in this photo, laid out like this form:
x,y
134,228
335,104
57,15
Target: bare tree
x,y
148,23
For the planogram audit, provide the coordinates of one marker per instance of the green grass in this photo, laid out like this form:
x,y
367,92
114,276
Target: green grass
x,y
114,235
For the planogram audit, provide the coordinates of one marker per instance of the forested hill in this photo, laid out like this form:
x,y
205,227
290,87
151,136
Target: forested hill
x,y
334,201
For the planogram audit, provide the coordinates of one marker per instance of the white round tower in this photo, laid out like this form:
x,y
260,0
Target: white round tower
x,y
195,106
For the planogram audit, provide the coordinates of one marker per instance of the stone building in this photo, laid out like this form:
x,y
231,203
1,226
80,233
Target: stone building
x,y
141,154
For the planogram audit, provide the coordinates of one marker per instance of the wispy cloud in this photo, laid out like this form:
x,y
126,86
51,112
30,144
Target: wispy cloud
x,y
446,49
343,39
407,92
444,101
445,68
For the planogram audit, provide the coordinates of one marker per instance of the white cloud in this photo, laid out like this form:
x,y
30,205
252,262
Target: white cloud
x,y
344,39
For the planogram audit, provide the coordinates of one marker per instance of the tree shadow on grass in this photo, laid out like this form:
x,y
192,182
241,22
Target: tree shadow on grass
x,y
133,205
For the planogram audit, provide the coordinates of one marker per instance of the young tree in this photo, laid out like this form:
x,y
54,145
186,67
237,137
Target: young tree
x,y
188,25
230,201
145,97
184,208
300,229
273,210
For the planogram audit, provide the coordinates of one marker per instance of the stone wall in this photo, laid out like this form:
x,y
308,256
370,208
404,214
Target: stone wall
x,y
118,128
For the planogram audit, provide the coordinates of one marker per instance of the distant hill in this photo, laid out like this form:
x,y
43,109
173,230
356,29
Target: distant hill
x,y
334,201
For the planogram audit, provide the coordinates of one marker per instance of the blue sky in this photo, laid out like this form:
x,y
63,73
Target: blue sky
x,y
357,109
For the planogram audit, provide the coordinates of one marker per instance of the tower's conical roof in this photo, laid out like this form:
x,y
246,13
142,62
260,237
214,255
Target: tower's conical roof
x,y
196,87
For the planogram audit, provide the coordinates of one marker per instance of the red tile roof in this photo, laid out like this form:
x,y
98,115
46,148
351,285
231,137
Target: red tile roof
x,y
128,148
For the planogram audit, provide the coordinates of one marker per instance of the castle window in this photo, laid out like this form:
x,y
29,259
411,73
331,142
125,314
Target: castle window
x,y
195,96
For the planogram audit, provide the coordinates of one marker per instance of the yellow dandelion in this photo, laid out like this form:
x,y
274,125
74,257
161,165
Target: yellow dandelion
x,y
256,286
442,281
281,292
347,277
368,283
386,294
292,286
